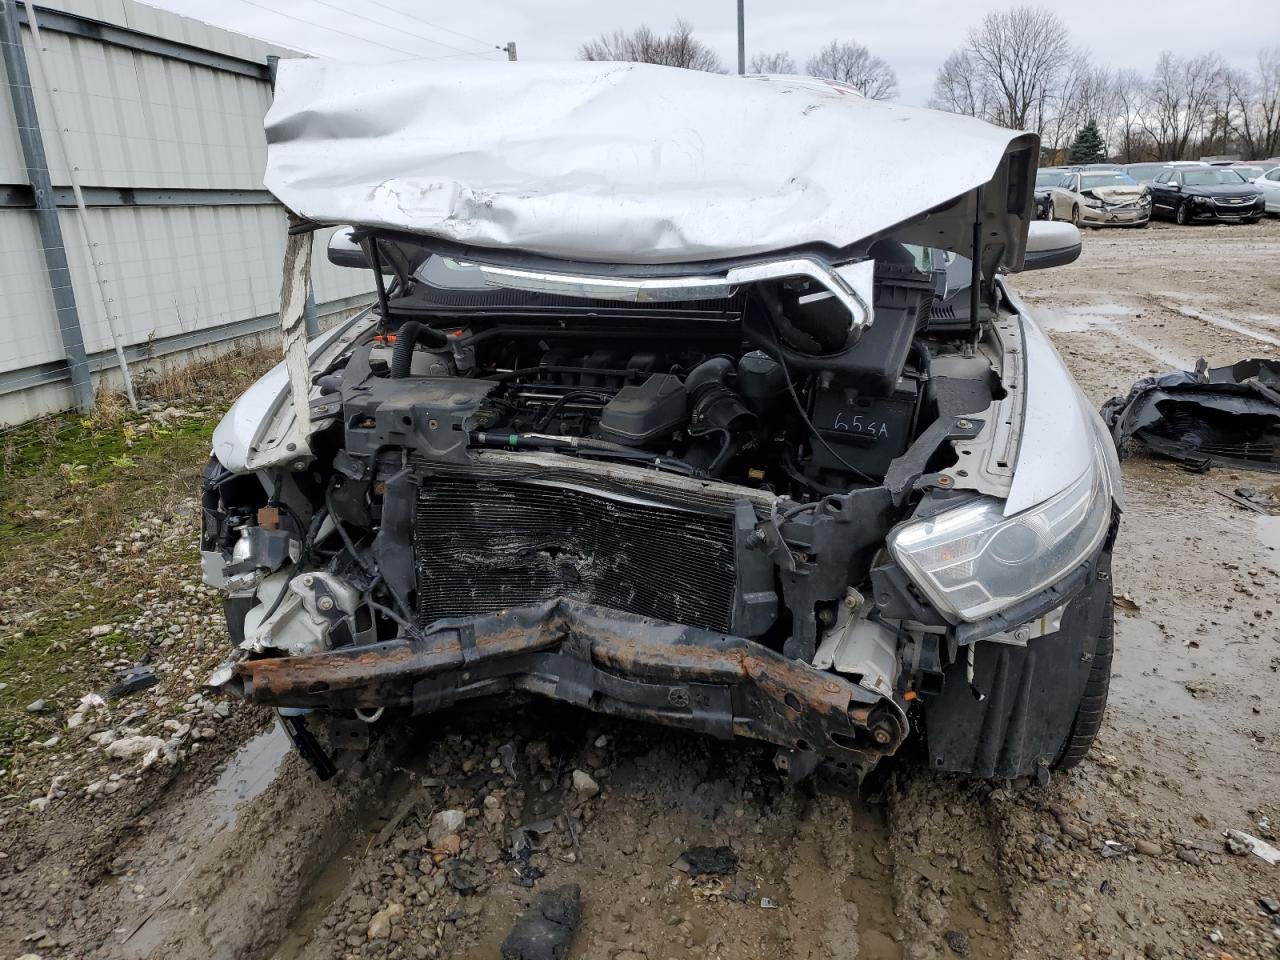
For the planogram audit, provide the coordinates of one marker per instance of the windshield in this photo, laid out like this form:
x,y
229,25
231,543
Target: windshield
x,y
1211,177
1048,178
1091,180
1249,173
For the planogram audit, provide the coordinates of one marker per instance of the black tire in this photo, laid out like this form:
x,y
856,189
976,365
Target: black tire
x,y
1182,215
1093,702
1075,214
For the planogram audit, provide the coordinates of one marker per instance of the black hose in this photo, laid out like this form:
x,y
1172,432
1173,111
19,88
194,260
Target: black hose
x,y
774,313
550,413
408,336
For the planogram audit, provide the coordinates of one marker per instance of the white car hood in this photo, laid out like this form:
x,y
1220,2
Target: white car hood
x,y
631,163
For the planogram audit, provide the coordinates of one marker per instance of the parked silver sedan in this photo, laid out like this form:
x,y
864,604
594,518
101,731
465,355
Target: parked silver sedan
x,y
1100,199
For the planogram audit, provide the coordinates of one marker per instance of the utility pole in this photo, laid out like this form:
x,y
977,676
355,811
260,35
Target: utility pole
x,y
511,49
742,40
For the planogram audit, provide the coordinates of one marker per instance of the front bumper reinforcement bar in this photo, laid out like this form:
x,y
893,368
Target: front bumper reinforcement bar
x,y
605,661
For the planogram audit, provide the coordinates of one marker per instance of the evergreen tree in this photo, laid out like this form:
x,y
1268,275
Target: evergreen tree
x,y
1088,146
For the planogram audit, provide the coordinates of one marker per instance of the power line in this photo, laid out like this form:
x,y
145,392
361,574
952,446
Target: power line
x,y
395,26
342,33
403,13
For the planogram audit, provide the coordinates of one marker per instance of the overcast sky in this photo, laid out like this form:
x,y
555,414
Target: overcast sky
x,y
913,36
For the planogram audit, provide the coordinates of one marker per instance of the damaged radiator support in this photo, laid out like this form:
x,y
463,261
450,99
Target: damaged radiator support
x,y
486,545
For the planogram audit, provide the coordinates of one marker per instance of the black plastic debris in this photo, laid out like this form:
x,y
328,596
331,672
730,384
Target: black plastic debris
x,y
546,929
463,876
1220,417
140,676
708,862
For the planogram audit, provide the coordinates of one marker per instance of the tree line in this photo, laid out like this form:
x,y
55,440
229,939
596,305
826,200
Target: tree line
x,y
1020,68
846,61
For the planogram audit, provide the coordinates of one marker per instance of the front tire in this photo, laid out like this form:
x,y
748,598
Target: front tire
x,y
1182,216
1093,702
1075,214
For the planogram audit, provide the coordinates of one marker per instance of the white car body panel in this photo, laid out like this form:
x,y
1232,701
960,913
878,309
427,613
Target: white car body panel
x,y
623,163
1269,184
1058,433
243,441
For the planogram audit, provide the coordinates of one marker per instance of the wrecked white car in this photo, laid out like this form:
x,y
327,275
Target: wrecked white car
x,y
680,402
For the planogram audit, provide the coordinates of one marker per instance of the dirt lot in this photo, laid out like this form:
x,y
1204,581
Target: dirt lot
x,y
211,842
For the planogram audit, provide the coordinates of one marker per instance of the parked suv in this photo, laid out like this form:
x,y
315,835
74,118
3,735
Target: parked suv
x,y
1197,194
676,405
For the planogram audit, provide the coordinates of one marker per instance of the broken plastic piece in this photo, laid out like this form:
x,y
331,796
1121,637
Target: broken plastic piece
x,y
545,930
1225,416
708,862
1259,848
140,676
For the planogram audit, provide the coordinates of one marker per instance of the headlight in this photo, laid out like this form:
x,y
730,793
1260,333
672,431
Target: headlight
x,y
973,561
1091,202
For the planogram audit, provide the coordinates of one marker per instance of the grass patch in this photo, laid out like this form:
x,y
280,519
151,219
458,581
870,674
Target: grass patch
x,y
74,489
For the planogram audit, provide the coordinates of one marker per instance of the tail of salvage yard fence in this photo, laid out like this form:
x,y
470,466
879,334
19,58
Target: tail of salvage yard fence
x,y
134,229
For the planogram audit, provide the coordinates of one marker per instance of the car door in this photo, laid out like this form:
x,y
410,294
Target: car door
x,y
1269,184
1065,196
1162,191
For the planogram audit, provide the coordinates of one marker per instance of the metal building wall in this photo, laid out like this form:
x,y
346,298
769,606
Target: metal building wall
x,y
170,155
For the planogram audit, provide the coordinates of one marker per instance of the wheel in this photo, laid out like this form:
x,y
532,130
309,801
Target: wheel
x,y
1088,718
1075,214
1182,216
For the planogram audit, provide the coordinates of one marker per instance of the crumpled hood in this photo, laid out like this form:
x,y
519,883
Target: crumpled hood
x,y
630,163
1118,194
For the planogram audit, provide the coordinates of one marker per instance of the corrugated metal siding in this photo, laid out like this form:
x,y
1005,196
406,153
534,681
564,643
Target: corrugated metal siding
x,y
140,120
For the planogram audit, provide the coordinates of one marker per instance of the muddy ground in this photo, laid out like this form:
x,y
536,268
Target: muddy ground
x,y
224,846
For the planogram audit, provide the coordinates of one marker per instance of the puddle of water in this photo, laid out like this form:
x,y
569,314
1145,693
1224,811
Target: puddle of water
x,y
246,775
1267,530
1082,317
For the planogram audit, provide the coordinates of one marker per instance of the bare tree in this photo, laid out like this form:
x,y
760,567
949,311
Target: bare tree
x,y
680,48
958,87
1180,99
1254,104
1129,91
854,64
1021,55
781,62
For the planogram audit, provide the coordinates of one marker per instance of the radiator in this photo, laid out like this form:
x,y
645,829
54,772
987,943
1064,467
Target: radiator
x,y
483,545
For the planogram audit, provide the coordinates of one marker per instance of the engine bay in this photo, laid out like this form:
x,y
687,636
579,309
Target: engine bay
x,y
765,392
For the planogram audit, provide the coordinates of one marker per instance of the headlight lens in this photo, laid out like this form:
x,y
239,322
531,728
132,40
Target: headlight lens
x,y
973,561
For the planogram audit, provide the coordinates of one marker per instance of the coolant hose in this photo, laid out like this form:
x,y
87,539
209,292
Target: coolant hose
x,y
410,334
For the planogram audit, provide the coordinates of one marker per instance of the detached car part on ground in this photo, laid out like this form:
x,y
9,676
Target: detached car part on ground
x,y
1220,417
678,404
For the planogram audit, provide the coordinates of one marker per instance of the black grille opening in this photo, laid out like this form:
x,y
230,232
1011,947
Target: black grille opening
x,y
485,545
1240,438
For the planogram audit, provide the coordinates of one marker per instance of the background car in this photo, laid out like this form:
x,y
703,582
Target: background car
x,y
1250,171
1269,184
1144,172
1046,179
1189,194
1100,198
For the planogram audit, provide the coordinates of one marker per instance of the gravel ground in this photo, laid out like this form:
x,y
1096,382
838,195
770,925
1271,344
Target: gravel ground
x,y
213,841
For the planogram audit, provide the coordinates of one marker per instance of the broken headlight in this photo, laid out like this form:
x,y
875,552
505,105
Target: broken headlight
x,y
974,561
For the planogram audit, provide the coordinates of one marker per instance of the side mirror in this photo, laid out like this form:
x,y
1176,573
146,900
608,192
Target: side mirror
x,y
1050,243
1173,186
345,252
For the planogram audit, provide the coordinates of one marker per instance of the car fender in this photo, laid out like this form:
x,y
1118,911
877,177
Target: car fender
x,y
259,430
1060,429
